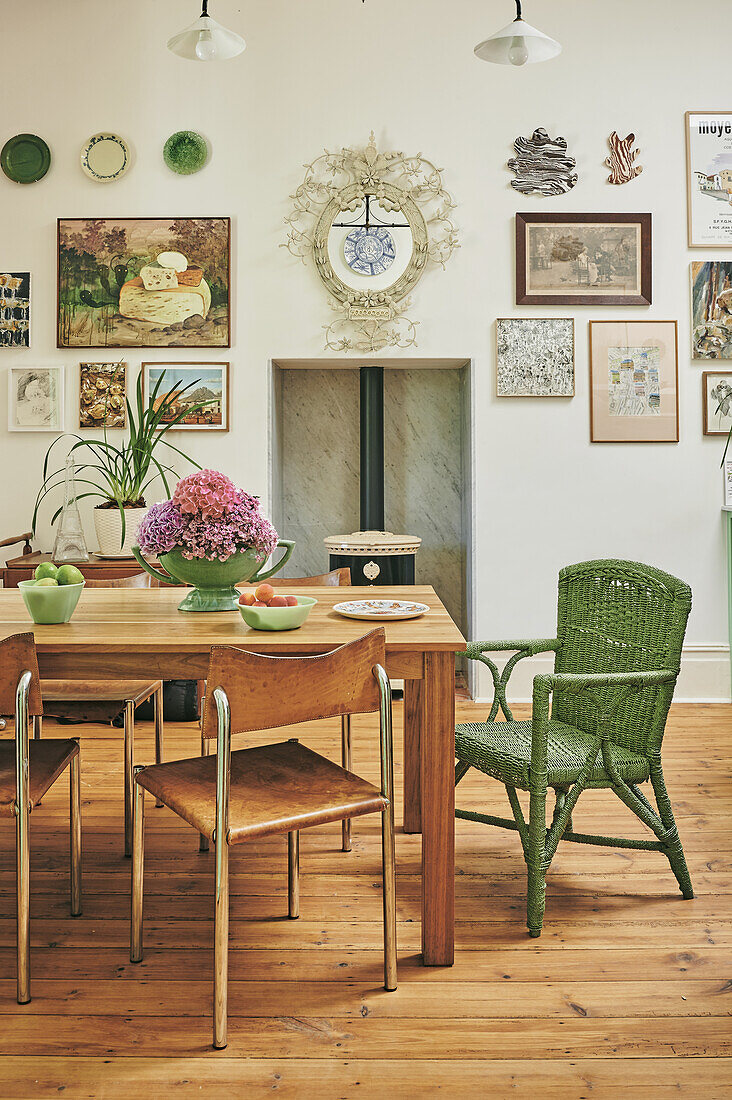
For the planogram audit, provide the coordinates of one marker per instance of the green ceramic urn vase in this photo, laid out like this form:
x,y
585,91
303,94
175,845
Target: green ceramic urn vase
x,y
213,581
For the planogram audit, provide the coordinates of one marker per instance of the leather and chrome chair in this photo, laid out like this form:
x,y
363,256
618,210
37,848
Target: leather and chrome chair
x,y
280,788
28,769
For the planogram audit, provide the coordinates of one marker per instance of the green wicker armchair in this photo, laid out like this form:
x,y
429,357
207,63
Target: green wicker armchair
x,y
597,721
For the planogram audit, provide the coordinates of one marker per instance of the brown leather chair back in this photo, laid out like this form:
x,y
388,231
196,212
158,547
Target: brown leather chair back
x,y
334,579
266,692
18,655
138,580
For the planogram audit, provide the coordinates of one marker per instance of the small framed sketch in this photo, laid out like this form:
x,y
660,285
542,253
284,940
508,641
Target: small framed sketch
x,y
583,259
709,178
717,401
634,395
535,357
102,395
36,399
191,384
15,309
711,309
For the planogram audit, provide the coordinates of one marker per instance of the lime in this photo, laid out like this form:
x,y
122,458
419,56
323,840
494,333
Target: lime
x,y
45,569
69,574
47,582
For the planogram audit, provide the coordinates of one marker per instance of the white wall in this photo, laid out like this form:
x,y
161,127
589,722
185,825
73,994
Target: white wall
x,y
324,73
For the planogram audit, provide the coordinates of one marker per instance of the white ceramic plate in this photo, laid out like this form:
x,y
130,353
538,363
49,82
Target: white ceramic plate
x,y
105,157
378,610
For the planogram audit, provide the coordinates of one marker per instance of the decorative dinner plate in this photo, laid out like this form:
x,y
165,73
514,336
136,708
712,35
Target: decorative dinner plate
x,y
185,152
112,557
369,251
381,609
105,157
25,158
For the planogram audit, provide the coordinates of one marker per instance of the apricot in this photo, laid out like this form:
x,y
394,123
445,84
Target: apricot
x,y
278,601
265,592
291,601
259,603
247,598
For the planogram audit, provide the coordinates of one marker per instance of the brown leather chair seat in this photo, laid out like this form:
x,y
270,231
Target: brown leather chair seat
x,y
46,762
274,789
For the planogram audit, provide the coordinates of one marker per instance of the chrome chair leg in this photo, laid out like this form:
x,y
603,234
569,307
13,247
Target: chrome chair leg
x,y
129,753
293,875
37,727
138,853
158,714
221,943
346,762
203,841
75,833
389,889
22,846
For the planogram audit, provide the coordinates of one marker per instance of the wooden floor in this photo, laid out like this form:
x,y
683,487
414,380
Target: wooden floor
x,y
626,993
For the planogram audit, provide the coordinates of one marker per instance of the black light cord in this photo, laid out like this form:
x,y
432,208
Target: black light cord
x,y
204,8
518,11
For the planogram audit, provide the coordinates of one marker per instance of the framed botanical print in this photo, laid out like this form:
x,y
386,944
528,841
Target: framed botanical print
x,y
36,399
102,395
583,259
190,384
15,309
143,282
535,357
717,401
711,309
634,395
709,178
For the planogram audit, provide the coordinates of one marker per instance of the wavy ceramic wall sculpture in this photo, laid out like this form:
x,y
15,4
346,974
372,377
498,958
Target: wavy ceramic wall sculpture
x,y
620,161
541,165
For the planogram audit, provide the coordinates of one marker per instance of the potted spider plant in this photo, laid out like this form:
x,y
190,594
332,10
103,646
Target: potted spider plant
x,y
118,475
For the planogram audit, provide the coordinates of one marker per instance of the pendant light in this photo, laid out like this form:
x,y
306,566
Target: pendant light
x,y
517,44
206,40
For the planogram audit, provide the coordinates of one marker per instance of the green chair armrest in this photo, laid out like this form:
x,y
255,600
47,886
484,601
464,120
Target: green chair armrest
x,y
526,647
529,646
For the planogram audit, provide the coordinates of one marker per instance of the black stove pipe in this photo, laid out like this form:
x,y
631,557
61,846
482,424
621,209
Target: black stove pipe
x,y
372,448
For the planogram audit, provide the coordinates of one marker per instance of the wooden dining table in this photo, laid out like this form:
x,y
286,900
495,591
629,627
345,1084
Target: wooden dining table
x,y
133,633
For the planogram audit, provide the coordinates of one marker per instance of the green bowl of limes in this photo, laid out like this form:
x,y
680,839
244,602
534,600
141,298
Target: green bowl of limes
x,y
53,593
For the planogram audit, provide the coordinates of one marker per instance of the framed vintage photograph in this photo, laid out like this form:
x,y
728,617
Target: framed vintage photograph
x,y
210,384
144,282
36,399
709,178
717,401
102,395
583,259
634,393
534,357
711,309
15,309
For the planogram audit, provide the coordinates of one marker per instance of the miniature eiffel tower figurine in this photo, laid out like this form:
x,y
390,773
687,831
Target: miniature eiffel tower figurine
x,y
70,544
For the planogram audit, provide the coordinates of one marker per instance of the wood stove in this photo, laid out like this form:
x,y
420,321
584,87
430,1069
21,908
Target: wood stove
x,y
374,556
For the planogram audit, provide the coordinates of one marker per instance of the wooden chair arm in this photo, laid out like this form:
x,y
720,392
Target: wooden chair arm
x,y
25,537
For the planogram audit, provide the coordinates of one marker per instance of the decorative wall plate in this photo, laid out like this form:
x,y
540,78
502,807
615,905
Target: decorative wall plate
x,y
105,157
381,609
25,158
185,152
369,251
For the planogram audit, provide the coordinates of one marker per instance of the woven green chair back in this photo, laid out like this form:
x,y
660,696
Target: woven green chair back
x,y
620,616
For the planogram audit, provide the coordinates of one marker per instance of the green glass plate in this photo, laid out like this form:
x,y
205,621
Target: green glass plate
x,y
185,152
25,158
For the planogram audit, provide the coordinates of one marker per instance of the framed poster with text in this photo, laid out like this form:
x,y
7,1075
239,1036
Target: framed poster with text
x,y
709,178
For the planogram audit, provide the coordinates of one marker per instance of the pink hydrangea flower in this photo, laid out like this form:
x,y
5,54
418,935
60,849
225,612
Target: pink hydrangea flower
x,y
207,492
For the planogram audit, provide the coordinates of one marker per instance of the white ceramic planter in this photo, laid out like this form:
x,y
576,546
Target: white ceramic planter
x,y
108,524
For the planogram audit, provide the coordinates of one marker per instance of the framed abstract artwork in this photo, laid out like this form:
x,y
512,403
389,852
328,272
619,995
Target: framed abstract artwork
x,y
144,282
583,259
191,384
711,309
102,395
535,357
15,309
709,178
36,399
634,394
717,401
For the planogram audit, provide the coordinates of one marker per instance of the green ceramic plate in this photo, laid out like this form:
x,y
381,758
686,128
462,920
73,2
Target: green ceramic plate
x,y
25,158
185,152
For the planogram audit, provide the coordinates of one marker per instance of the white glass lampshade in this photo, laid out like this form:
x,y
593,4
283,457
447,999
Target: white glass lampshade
x,y
206,40
518,43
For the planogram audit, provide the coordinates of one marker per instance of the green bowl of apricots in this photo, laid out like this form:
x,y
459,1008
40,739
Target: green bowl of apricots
x,y
265,609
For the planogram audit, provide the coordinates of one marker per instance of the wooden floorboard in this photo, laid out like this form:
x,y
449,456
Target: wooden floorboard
x,y
627,990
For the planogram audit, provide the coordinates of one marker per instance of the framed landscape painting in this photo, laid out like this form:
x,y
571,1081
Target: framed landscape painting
x,y
583,259
717,402
711,309
144,282
36,399
535,357
102,395
634,396
709,178
191,384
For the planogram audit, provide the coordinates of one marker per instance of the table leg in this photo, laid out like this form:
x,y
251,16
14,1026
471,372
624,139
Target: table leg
x,y
438,810
729,582
413,721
